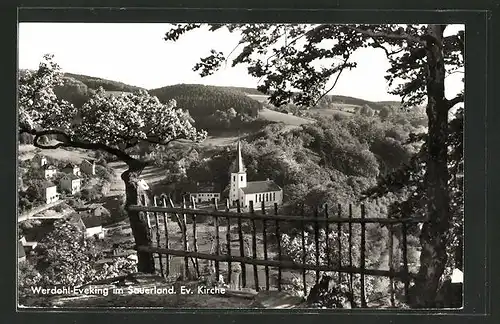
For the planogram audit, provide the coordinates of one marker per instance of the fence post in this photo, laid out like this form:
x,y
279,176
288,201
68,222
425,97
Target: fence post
x,y
327,237
254,248
228,242
391,261
362,257
157,234
195,237
339,241
242,247
316,241
351,275
184,240
278,238
264,238
406,277
167,245
217,241
303,225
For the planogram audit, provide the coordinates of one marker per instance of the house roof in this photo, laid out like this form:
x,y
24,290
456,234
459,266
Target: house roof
x,y
20,250
92,221
72,176
76,220
71,166
260,186
89,161
204,188
90,207
48,184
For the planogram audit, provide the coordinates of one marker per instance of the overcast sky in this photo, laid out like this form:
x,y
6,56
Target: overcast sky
x,y
136,54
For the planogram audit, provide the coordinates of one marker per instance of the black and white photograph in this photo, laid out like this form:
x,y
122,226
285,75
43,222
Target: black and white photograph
x,y
240,166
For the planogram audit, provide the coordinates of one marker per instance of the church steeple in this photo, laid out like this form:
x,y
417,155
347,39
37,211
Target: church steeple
x,y
239,166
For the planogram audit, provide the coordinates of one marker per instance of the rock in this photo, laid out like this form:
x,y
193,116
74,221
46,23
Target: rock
x,y
276,300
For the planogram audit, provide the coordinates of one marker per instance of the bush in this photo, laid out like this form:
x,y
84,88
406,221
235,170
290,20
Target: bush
x,y
90,194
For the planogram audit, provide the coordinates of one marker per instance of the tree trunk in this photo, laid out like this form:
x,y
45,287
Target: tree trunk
x,y
138,221
433,236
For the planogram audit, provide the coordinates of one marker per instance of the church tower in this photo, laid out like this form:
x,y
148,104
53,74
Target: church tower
x,y
238,179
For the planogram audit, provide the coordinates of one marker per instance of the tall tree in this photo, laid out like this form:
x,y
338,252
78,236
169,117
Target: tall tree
x,y
104,123
286,56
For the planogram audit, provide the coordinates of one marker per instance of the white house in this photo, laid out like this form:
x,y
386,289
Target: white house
x,y
256,191
91,226
51,194
71,183
88,166
72,168
205,193
49,171
28,245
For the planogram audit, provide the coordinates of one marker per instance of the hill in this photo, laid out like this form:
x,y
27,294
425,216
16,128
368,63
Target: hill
x,y
108,85
213,108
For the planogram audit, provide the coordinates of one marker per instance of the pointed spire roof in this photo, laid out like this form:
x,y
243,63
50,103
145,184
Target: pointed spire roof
x,y
240,166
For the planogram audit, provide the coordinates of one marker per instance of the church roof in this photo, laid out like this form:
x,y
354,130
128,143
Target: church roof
x,y
260,186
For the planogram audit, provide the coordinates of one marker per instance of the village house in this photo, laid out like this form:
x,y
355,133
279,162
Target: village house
x,y
205,193
89,225
72,168
49,171
28,245
244,191
51,194
39,160
70,183
88,166
97,210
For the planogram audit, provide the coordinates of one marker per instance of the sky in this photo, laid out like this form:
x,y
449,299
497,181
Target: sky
x,y
136,54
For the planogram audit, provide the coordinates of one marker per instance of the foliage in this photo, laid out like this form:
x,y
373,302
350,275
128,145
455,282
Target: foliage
x,y
284,56
66,257
105,123
90,194
408,182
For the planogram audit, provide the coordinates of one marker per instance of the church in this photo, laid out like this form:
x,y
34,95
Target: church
x,y
257,191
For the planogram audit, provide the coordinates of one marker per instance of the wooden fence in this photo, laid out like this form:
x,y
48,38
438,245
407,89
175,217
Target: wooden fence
x,y
269,226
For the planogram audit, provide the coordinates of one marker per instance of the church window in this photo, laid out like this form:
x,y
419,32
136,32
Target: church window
x,y
274,196
267,197
241,178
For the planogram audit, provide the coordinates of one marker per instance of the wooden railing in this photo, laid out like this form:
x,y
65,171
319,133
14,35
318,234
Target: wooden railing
x,y
271,228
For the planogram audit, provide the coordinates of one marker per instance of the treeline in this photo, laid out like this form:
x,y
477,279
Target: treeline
x,y
212,107
108,85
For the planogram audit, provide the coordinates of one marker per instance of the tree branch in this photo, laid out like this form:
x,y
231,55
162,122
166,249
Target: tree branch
x,y
335,82
374,35
458,99
67,142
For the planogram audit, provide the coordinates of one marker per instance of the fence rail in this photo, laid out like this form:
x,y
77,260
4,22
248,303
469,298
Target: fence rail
x,y
247,232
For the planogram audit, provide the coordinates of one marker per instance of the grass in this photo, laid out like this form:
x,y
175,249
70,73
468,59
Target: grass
x,y
278,117
27,151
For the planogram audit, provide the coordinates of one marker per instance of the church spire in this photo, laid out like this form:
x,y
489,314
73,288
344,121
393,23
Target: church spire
x,y
240,167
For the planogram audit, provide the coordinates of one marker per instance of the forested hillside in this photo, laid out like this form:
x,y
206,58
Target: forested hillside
x,y
212,107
